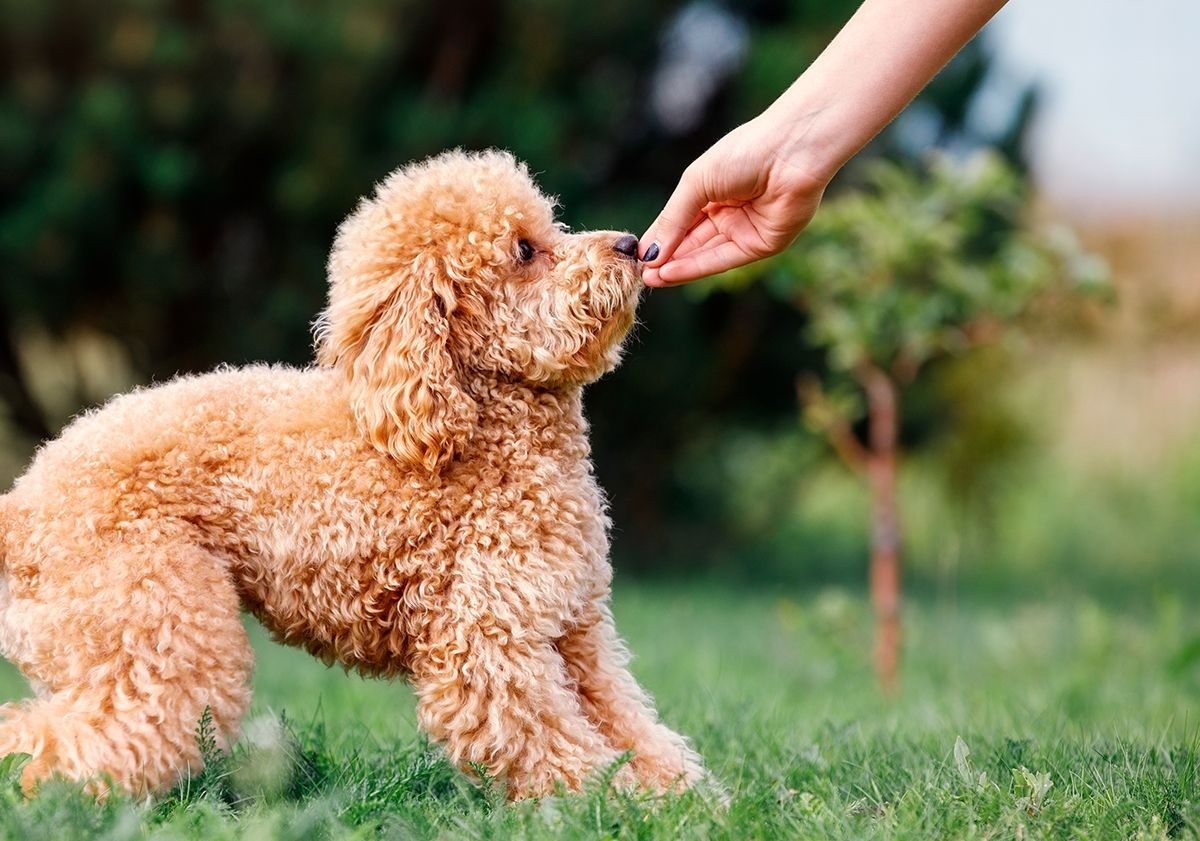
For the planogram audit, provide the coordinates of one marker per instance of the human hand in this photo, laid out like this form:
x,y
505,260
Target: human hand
x,y
746,198
750,194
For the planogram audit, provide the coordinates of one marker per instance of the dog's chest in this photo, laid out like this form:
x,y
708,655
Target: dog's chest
x,y
530,553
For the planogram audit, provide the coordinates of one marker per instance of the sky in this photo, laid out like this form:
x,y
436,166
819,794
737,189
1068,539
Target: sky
x,y
1119,129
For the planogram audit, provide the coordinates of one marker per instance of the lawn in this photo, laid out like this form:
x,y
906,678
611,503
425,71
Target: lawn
x,y
1054,718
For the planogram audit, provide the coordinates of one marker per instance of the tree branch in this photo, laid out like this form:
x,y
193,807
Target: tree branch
x,y
831,423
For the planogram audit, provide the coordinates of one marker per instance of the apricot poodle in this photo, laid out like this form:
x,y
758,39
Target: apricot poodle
x,y
419,503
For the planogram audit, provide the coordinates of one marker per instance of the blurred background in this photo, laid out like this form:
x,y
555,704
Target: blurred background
x,y
1016,256
172,173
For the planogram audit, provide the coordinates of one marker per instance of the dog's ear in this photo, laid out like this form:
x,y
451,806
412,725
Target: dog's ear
x,y
387,329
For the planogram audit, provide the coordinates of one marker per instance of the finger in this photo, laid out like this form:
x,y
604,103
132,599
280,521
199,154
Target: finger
x,y
681,212
651,279
704,235
718,257
701,235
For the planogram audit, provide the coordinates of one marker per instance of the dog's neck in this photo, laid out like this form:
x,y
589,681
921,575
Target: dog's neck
x,y
539,418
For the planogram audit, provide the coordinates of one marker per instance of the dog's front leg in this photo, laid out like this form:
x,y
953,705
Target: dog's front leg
x,y
505,703
597,661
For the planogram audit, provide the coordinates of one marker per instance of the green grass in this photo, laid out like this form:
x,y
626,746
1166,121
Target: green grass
x,y
1075,721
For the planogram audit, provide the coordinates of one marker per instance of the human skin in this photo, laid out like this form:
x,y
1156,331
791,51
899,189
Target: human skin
x,y
755,189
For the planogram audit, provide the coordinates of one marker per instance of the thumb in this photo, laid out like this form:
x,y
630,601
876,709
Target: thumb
x,y
681,212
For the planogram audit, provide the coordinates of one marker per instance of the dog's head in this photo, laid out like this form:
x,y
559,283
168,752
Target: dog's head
x,y
455,273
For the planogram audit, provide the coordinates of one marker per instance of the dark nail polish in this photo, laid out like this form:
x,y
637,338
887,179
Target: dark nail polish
x,y
651,253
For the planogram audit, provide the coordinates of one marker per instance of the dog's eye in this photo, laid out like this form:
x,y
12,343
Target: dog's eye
x,y
525,250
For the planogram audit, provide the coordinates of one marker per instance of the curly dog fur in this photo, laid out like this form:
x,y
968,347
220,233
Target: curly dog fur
x,y
421,502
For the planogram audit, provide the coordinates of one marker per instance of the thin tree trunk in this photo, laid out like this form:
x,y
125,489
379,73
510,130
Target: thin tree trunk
x,y
883,418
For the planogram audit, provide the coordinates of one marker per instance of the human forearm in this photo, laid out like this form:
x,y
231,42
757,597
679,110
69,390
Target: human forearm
x,y
881,59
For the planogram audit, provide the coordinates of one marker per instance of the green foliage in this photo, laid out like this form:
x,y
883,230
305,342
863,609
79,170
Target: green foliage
x,y
918,264
1031,718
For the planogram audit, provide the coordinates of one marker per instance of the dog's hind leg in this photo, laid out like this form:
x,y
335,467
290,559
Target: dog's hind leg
x,y
506,705
597,661
131,652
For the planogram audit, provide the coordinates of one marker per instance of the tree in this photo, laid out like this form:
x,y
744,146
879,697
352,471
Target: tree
x,y
917,266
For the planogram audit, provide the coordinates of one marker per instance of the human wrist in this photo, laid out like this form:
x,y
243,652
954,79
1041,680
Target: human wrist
x,y
800,138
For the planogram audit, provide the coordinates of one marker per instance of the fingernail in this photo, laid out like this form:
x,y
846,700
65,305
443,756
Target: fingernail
x,y
651,253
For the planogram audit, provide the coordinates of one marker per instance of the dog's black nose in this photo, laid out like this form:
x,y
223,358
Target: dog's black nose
x,y
626,245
